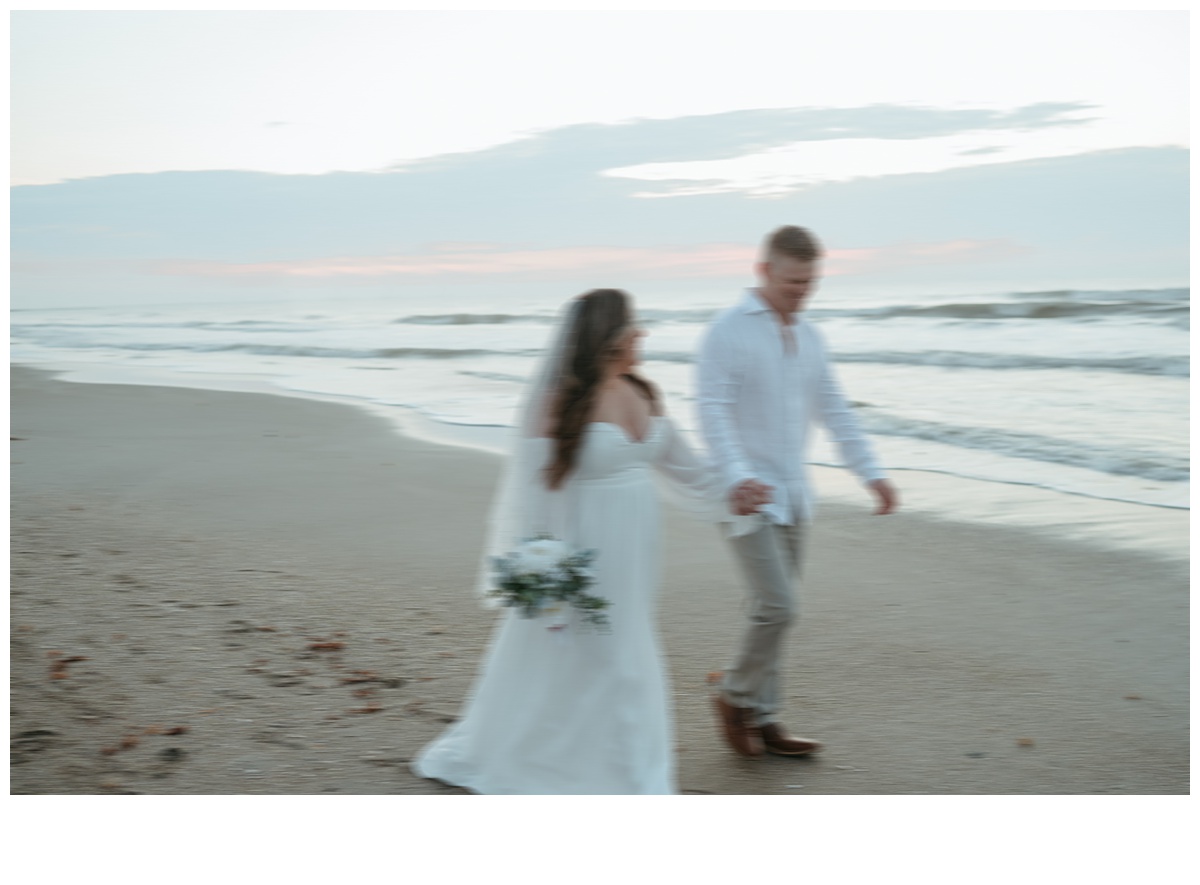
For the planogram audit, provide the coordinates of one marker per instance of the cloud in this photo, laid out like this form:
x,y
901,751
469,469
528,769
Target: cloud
x,y
886,141
542,209
600,146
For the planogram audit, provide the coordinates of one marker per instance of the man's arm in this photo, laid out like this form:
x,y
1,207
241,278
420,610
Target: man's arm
x,y
852,443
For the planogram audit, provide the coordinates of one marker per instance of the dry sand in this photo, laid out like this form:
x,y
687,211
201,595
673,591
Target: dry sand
x,y
232,593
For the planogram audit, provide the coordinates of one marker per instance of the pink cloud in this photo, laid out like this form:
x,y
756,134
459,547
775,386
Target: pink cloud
x,y
466,261
477,259
881,259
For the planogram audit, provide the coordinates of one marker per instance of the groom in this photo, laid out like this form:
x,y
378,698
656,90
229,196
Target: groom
x,y
764,379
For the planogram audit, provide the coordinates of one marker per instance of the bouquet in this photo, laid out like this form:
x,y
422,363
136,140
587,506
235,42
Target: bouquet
x,y
542,577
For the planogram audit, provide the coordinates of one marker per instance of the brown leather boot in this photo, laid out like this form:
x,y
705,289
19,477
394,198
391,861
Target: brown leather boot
x,y
738,726
777,741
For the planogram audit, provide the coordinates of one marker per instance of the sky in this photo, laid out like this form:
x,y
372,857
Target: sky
x,y
193,155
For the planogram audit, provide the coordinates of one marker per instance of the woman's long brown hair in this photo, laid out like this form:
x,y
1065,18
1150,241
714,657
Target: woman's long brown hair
x,y
600,320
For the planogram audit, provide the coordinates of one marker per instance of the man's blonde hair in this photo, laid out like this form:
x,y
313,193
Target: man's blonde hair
x,y
792,242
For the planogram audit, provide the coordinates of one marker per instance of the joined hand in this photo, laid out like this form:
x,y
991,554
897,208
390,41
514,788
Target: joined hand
x,y
749,497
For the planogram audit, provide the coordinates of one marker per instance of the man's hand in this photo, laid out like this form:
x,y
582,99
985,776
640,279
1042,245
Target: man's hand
x,y
748,497
886,496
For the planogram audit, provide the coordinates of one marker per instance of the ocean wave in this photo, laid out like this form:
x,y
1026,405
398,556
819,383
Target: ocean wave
x,y
473,319
1007,310
446,353
1119,462
1178,366
1170,305
206,325
255,325
495,376
699,315
1174,366
346,353
644,315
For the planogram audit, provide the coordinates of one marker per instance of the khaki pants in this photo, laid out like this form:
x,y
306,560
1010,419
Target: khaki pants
x,y
770,559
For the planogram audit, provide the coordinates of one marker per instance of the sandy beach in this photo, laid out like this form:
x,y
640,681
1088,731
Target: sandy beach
x,y
236,593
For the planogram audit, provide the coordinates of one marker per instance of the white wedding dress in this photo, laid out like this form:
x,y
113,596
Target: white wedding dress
x,y
584,712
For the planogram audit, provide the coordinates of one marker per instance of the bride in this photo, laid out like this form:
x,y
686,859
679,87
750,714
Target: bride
x,y
582,712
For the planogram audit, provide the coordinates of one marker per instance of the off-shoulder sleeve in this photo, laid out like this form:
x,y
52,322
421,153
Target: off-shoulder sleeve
x,y
695,485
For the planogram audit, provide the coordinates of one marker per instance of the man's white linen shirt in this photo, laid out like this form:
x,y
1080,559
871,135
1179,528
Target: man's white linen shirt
x,y
758,401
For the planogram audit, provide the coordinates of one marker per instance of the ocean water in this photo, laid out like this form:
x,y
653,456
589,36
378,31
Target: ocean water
x,y
1080,393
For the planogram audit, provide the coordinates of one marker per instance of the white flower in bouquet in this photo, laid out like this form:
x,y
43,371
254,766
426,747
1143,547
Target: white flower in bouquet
x,y
540,555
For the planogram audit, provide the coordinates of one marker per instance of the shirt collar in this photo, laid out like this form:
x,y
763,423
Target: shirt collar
x,y
754,303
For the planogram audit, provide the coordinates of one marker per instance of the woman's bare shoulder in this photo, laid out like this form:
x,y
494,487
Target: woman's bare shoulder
x,y
650,393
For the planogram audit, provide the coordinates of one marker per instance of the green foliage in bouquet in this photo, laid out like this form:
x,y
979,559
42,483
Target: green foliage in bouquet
x,y
544,571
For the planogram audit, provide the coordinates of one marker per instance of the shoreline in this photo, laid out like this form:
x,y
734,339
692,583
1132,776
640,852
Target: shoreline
x,y
1156,529
270,594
